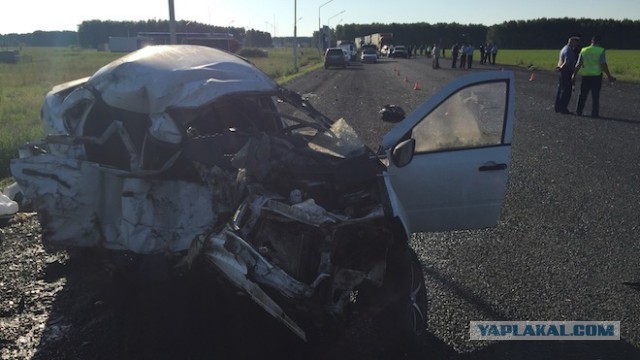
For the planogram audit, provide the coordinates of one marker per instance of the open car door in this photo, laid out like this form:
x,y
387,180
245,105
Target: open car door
x,y
448,161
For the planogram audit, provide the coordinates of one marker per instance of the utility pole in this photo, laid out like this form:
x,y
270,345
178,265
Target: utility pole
x,y
295,35
172,24
320,27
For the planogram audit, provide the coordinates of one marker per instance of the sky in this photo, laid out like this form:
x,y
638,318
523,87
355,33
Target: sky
x,y
277,16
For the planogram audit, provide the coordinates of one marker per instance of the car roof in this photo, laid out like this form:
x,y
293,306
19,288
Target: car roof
x,y
154,78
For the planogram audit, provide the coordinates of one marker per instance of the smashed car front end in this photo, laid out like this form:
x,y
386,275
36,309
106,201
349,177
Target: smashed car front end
x,y
191,151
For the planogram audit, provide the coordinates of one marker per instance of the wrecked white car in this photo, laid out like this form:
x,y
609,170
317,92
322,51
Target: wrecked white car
x,y
194,153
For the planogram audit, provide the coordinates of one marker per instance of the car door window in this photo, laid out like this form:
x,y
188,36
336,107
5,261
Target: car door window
x,y
470,118
458,174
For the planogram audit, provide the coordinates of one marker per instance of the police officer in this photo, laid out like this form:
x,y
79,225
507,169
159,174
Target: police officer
x,y
566,66
593,63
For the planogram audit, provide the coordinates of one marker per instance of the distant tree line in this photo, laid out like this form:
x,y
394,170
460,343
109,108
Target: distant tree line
x,y
415,34
94,33
541,33
548,33
40,38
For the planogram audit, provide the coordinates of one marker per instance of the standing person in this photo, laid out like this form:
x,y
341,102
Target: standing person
x,y
463,55
436,56
454,55
469,50
482,49
566,66
494,52
593,62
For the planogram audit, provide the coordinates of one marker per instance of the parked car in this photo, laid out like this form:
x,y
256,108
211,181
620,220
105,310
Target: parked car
x,y
370,47
195,155
399,51
335,57
369,55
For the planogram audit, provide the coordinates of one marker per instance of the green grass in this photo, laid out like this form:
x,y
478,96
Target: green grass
x,y
279,64
24,85
623,64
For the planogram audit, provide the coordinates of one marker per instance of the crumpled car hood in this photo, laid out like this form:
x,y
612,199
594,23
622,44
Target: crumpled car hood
x,y
159,77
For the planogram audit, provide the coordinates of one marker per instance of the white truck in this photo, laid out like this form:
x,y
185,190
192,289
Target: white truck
x,y
349,47
380,40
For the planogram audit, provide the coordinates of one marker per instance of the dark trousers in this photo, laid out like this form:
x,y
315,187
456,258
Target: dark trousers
x,y
591,84
454,60
469,61
564,91
463,61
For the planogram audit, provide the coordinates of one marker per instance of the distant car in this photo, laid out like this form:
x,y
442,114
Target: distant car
x,y
195,160
369,55
399,51
335,57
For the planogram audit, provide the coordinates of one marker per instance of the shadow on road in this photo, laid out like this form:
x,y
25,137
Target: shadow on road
x,y
628,121
95,317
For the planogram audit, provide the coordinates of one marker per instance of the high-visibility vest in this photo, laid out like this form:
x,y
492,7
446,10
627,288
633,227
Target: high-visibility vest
x,y
591,60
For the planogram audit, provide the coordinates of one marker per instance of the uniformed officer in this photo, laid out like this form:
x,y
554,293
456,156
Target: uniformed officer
x,y
593,62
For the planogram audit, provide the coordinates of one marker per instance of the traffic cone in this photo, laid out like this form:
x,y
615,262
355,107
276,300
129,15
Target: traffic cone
x,y
416,86
533,76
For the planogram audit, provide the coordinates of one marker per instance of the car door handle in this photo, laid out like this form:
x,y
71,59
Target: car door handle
x,y
492,167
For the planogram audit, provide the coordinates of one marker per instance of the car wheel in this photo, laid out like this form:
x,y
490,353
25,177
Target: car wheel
x,y
412,306
394,314
405,319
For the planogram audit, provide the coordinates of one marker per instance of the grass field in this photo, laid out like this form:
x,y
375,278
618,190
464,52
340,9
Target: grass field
x,y
23,85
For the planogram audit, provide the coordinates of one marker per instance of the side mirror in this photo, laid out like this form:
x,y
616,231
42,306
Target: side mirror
x,y
403,153
392,113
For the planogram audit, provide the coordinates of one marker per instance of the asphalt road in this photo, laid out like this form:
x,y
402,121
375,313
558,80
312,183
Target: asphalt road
x,y
568,237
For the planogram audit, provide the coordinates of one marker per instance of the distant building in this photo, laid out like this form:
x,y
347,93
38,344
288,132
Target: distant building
x,y
303,42
123,44
215,40
10,56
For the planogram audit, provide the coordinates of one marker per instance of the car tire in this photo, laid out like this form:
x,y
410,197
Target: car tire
x,y
394,315
404,321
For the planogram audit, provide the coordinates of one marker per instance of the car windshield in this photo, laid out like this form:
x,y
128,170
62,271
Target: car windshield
x,y
338,140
